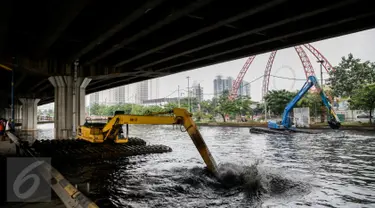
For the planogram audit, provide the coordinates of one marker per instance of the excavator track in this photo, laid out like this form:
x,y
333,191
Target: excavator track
x,y
69,149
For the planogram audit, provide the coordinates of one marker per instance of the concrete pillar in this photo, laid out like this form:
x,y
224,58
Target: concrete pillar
x,y
2,113
30,110
8,113
81,100
64,109
17,113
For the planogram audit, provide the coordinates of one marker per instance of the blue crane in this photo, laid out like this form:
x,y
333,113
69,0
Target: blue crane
x,y
286,124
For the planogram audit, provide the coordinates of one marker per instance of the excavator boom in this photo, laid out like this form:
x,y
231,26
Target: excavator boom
x,y
113,129
333,122
135,119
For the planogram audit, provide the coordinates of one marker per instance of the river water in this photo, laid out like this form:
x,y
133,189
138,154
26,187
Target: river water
x,y
332,169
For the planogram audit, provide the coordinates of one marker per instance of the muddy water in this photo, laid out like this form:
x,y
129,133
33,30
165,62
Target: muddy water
x,y
334,169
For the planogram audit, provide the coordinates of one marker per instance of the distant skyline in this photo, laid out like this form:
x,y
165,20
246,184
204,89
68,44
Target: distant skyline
x,y
360,44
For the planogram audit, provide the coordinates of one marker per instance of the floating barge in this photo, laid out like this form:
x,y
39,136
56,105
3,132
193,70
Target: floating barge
x,y
262,130
72,149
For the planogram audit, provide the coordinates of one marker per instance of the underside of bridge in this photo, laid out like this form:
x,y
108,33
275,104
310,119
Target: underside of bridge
x,y
123,42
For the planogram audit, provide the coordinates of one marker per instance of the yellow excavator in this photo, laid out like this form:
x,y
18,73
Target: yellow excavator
x,y
112,130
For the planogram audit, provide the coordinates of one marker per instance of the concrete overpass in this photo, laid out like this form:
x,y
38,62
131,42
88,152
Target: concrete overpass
x,y
130,41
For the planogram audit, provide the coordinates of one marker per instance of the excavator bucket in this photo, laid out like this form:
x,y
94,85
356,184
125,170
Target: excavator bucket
x,y
334,124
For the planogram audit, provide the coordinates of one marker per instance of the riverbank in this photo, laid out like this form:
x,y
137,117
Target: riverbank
x,y
344,126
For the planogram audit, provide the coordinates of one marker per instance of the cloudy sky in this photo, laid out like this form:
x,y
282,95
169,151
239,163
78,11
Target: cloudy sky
x,y
287,64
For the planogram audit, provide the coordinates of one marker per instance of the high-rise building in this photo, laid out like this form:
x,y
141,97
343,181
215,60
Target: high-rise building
x,y
141,92
94,98
228,84
221,85
218,86
133,93
127,94
118,95
153,88
244,89
197,92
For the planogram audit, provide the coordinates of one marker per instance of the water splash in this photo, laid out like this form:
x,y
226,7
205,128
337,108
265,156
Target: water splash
x,y
254,181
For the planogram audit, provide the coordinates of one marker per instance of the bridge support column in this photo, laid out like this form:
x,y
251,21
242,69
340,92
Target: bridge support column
x,y
64,109
30,110
2,112
17,113
8,113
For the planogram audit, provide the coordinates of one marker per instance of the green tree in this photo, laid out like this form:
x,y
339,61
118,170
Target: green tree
x,y
95,109
363,98
170,106
50,112
225,106
350,74
40,112
153,109
312,101
137,110
207,106
127,108
278,99
243,104
110,110
259,109
184,102
198,115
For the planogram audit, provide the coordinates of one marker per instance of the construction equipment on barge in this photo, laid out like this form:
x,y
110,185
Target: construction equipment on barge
x,y
108,140
285,125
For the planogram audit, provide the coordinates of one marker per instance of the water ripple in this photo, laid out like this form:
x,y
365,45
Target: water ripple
x,y
332,169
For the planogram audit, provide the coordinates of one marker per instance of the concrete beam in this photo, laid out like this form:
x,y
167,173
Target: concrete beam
x,y
216,25
118,27
38,67
58,21
37,86
269,40
29,110
140,73
263,47
255,30
6,11
177,14
20,80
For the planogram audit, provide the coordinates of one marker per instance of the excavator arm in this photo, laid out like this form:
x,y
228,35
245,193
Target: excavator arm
x,y
333,120
181,117
286,114
136,119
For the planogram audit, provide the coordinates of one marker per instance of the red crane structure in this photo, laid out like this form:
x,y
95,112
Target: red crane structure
x,y
237,82
307,67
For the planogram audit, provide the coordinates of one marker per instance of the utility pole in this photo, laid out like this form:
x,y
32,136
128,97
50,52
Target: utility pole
x,y
188,78
321,86
321,72
12,124
265,110
74,98
178,96
199,97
